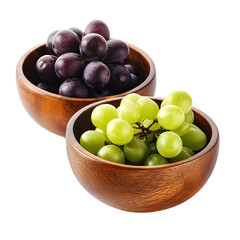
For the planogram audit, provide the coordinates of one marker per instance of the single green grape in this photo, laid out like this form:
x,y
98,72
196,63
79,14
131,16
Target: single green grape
x,y
129,111
179,98
169,144
170,117
183,129
195,139
102,115
184,154
111,153
92,141
155,159
136,150
148,108
189,117
119,131
152,148
133,97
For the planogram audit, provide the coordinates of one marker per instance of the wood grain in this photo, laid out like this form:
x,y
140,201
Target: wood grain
x,y
53,111
140,188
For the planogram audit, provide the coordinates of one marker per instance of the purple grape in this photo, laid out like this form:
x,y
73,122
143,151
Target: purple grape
x,y
93,47
135,81
131,68
45,69
118,51
69,65
96,75
73,87
78,32
120,79
93,93
49,42
65,41
97,26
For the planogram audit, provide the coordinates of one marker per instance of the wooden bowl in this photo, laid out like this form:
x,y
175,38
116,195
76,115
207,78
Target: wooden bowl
x,y
140,188
53,111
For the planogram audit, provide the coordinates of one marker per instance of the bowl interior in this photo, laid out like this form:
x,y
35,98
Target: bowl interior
x,y
137,58
83,121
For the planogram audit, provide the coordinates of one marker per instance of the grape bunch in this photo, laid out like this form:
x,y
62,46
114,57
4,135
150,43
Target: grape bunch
x,y
139,132
86,64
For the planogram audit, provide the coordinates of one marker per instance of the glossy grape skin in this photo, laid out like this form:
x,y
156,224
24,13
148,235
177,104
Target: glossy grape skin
x,y
169,144
112,153
179,98
170,117
73,87
45,69
183,129
98,26
194,139
78,32
133,97
120,78
136,150
102,115
92,141
184,154
49,42
65,41
119,131
155,159
96,75
69,65
189,117
117,51
93,47
148,108
131,69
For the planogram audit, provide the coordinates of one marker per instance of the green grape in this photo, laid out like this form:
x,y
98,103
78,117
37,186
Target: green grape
x,y
102,115
169,144
133,97
148,108
179,98
184,154
155,126
111,153
189,117
92,141
195,139
170,117
195,126
136,129
129,111
155,159
119,131
183,129
104,133
135,151
152,148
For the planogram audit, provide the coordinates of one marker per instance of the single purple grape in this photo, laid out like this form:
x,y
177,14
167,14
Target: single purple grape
x,y
96,75
134,82
45,69
65,41
49,42
120,79
118,51
131,69
98,26
93,47
69,65
73,87
78,32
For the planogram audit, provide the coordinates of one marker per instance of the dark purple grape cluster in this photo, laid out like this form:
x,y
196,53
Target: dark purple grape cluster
x,y
86,64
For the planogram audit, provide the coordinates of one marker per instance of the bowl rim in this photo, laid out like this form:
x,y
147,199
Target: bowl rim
x,y
70,137
21,77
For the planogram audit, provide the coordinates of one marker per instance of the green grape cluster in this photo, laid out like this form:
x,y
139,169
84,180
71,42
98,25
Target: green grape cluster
x,y
139,132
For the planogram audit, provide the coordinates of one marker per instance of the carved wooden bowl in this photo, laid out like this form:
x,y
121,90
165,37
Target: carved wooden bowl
x,y
140,188
53,111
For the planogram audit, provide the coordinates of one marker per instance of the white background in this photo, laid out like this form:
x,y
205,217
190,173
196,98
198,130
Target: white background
x,y
195,46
